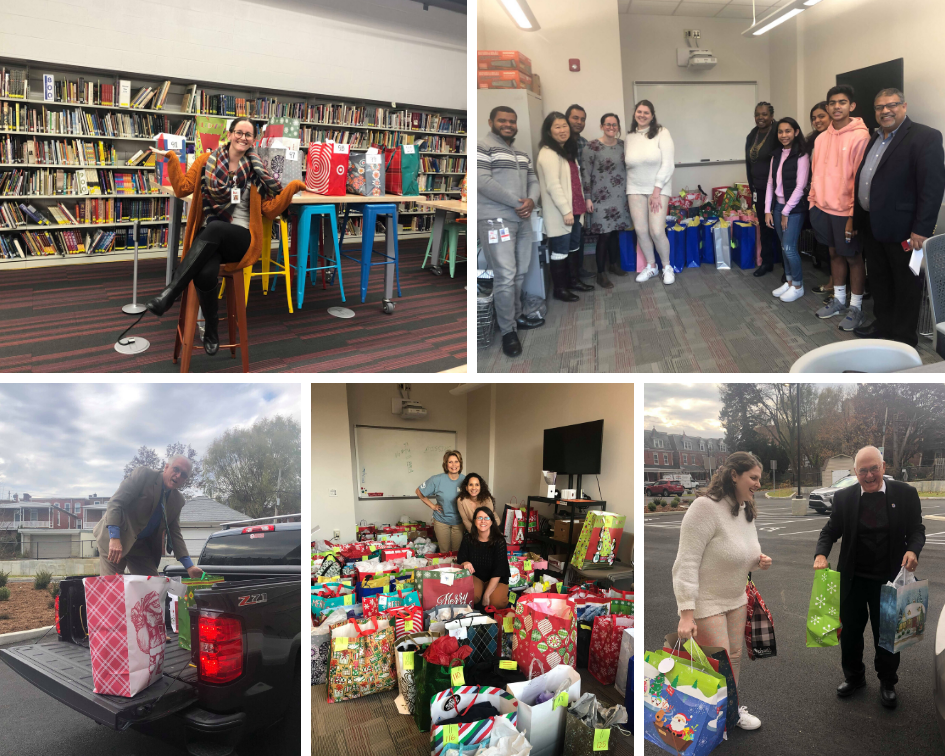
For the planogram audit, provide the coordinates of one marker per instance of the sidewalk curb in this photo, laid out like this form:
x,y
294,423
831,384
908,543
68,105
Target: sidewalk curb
x,y
22,635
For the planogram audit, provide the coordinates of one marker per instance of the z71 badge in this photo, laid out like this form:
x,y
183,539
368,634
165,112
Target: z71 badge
x,y
256,598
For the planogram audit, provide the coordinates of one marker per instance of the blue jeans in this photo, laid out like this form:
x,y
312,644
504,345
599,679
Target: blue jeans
x,y
567,243
792,258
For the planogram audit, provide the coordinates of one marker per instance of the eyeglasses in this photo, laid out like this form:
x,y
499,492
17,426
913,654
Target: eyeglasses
x,y
864,471
483,519
183,474
890,105
611,126
243,135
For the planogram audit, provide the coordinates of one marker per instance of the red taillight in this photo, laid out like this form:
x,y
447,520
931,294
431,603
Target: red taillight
x,y
221,649
259,529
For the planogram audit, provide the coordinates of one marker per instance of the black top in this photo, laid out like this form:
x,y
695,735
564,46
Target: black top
x,y
789,178
489,561
758,169
872,545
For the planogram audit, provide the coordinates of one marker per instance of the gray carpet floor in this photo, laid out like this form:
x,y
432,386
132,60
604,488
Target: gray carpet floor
x,y
708,321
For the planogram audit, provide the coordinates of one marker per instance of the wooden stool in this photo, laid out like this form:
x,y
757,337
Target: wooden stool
x,y
235,317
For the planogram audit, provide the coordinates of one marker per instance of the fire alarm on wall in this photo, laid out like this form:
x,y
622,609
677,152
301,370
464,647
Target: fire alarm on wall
x,y
574,64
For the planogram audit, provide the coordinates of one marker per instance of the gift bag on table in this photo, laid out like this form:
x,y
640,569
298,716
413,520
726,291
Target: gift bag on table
x,y
366,172
406,619
545,632
718,658
599,540
823,614
362,659
684,703
542,704
444,586
409,658
402,166
707,250
282,157
442,668
478,631
457,703
126,631
759,626
903,608
605,646
721,243
693,242
745,247
327,168
187,600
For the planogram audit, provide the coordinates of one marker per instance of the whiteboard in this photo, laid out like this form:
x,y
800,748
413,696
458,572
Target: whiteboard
x,y
707,120
393,462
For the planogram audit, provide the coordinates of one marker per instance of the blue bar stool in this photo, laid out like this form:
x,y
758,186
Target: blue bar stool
x,y
370,213
308,214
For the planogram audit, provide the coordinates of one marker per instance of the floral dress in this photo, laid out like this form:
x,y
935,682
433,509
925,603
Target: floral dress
x,y
606,176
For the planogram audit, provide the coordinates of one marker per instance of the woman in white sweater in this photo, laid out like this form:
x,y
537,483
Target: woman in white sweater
x,y
718,546
649,158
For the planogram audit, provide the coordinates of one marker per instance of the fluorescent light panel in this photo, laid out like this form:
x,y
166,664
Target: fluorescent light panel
x,y
778,17
778,21
521,14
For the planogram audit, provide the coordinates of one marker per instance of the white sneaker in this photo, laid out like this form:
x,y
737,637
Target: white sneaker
x,y
647,273
781,289
668,275
747,721
792,294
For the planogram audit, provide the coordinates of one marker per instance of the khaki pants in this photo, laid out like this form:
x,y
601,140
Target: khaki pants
x,y
448,537
139,561
500,596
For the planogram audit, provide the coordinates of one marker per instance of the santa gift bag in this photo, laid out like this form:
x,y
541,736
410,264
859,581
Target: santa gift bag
x,y
327,168
605,646
366,172
545,631
446,585
823,614
187,600
599,539
903,607
721,242
759,626
718,658
457,706
126,631
542,703
362,659
402,166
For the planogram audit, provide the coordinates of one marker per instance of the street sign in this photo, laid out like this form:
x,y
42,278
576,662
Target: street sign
x,y
774,464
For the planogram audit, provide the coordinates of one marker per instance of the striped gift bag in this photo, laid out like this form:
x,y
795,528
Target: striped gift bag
x,y
453,702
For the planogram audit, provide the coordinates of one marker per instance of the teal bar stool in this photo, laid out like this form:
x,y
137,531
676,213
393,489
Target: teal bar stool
x,y
308,215
371,213
449,248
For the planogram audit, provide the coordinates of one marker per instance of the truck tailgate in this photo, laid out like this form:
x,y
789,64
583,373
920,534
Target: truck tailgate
x,y
64,671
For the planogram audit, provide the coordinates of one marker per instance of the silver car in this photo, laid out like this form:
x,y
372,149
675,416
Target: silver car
x,y
821,499
940,674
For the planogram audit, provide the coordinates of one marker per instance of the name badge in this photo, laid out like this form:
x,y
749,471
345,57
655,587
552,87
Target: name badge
x,y
504,234
235,195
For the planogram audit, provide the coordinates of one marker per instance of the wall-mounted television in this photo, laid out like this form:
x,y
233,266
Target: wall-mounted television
x,y
573,449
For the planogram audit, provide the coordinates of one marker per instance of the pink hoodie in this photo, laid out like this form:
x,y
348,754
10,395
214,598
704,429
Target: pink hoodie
x,y
837,155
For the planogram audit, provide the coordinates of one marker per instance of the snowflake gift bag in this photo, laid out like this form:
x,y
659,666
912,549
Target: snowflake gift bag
x,y
823,616
126,631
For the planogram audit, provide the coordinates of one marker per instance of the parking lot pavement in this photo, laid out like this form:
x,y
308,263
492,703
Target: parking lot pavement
x,y
794,693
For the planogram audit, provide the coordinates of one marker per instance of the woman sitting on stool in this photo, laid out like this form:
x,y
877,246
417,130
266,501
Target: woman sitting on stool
x,y
225,226
484,553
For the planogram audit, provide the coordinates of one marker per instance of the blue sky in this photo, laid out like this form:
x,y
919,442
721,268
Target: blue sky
x,y
74,439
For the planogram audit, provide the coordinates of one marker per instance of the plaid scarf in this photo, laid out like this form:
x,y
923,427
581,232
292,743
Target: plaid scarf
x,y
218,181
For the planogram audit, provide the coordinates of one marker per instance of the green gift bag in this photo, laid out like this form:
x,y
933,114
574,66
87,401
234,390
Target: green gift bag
x,y
823,616
188,600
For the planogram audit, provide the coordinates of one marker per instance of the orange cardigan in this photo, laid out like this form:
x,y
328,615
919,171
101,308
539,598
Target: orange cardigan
x,y
271,208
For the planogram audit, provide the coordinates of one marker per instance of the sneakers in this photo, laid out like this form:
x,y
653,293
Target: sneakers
x,y
854,319
747,721
668,275
647,273
781,290
833,307
792,294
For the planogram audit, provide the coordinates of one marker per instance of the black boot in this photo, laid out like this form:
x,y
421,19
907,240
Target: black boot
x,y
575,276
211,308
616,270
559,276
195,259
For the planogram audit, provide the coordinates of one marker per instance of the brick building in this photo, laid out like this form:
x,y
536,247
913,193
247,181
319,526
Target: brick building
x,y
668,454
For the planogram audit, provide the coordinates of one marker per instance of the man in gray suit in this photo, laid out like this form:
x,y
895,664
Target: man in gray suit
x,y
141,516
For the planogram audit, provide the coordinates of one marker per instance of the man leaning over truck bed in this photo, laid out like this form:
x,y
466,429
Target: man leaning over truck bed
x,y
145,511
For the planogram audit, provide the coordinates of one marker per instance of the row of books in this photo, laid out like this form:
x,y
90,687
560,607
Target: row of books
x,y
433,183
66,151
18,117
112,210
443,164
354,138
442,144
14,83
84,181
28,244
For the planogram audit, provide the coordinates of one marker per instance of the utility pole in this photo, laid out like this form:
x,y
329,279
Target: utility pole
x,y
798,440
278,489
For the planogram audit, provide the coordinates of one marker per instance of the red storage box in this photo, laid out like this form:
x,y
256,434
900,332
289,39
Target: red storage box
x,y
504,80
503,60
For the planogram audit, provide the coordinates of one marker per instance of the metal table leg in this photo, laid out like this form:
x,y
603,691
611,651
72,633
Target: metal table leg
x,y
389,268
173,237
436,238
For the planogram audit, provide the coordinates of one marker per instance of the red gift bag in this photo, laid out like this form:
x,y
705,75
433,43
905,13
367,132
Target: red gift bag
x,y
545,633
406,620
434,591
605,646
391,554
327,168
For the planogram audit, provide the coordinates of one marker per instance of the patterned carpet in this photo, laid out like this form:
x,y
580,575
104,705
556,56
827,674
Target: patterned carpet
x,y
708,321
67,319
371,726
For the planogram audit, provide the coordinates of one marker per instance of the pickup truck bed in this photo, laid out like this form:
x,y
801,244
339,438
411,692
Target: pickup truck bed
x,y
64,671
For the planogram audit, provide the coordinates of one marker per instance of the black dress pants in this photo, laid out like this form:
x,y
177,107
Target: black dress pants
x,y
897,291
863,601
232,242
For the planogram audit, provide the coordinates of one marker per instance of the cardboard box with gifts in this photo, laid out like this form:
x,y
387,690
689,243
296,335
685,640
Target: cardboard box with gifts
x,y
503,60
504,80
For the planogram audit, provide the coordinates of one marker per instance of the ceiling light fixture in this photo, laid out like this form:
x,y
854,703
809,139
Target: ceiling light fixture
x,y
521,14
777,17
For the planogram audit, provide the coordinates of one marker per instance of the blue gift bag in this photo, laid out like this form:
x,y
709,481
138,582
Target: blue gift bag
x,y
628,251
693,243
677,247
745,252
707,250
627,704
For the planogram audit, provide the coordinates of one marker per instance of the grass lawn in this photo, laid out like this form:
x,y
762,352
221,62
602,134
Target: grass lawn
x,y
781,493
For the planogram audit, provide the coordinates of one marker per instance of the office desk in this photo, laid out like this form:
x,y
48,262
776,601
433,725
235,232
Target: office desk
x,y
442,208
